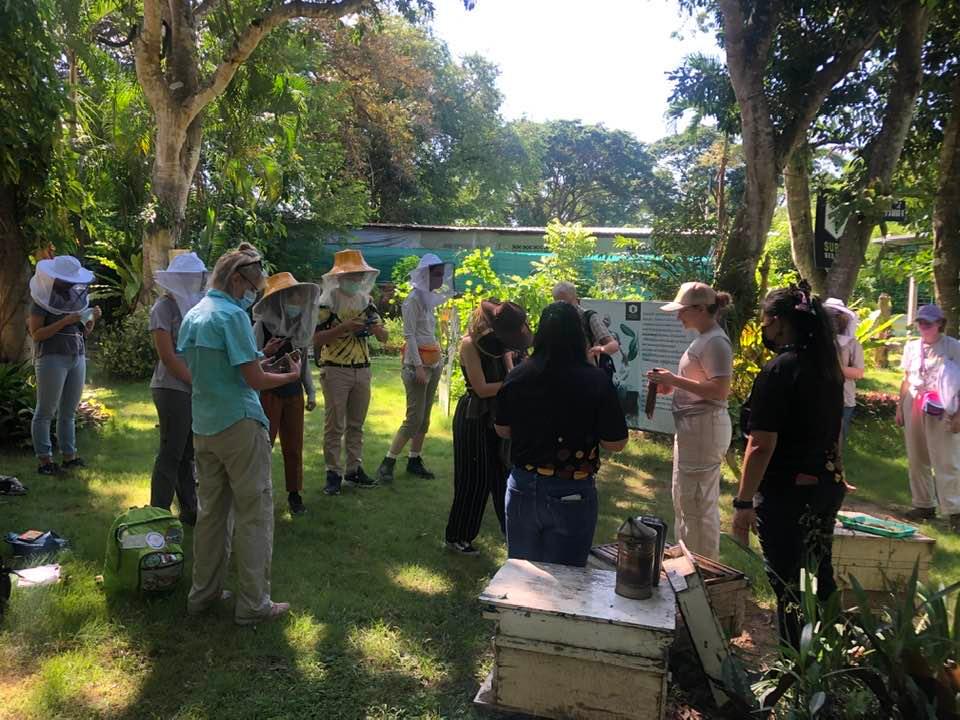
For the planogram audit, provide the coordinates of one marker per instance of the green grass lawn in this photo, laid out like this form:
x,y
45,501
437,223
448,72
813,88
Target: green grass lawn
x,y
385,622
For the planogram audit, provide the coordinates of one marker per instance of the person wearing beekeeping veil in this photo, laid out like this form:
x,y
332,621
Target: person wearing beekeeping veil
x,y
184,283
346,319
284,323
432,282
60,320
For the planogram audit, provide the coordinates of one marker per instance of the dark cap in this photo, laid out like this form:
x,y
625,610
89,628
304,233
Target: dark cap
x,y
509,323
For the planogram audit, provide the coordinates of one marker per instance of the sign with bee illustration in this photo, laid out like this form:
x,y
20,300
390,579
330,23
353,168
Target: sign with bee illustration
x,y
648,339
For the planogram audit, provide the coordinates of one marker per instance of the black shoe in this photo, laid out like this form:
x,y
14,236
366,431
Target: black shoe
x,y
385,471
415,467
463,548
296,504
77,462
920,514
48,469
358,478
333,483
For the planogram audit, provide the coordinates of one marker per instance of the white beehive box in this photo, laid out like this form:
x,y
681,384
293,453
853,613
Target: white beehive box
x,y
567,646
870,558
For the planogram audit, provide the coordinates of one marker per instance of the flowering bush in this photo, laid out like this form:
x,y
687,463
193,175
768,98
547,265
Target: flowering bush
x,y
879,405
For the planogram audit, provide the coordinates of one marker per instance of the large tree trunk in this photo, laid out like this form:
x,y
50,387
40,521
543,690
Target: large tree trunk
x,y
168,69
178,154
881,155
746,60
14,282
747,41
796,182
946,219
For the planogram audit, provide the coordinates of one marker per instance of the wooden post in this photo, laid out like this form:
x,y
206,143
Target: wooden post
x,y
880,354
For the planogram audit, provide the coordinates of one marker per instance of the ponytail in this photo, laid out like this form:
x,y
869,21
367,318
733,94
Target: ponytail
x,y
811,322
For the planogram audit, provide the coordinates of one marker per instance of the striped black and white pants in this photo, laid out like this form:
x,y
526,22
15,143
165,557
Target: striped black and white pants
x,y
478,472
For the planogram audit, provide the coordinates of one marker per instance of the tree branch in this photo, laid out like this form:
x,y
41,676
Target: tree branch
x,y
204,8
147,47
244,46
820,85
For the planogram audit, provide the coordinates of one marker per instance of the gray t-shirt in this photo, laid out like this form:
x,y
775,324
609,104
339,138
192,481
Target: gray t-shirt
x,y
709,356
165,315
851,355
69,341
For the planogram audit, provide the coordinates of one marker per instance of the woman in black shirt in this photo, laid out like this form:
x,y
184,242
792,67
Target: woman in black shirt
x,y
792,482
558,410
496,331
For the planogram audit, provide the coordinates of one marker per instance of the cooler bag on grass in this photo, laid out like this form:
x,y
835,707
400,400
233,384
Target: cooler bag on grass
x,y
144,552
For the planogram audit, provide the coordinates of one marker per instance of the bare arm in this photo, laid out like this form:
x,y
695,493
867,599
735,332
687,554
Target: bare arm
x,y
326,337
611,347
474,371
259,380
163,342
503,431
614,445
717,388
379,331
852,373
760,447
40,332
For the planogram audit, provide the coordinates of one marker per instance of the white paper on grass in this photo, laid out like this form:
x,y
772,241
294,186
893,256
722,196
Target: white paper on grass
x,y
37,576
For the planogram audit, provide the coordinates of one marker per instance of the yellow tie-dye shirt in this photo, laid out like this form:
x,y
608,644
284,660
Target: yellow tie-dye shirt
x,y
347,349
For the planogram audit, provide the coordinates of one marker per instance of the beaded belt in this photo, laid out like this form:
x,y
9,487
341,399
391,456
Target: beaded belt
x,y
551,472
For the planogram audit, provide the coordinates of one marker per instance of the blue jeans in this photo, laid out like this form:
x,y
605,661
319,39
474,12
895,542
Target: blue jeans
x,y
845,427
60,381
541,526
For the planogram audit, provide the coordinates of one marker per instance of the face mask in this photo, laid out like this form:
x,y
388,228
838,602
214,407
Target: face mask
x,y
350,287
294,311
768,343
248,299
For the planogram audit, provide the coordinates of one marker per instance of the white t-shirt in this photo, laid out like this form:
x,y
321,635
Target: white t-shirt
x,y
922,362
709,356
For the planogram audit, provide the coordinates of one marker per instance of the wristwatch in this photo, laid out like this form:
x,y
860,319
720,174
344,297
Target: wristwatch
x,y
739,504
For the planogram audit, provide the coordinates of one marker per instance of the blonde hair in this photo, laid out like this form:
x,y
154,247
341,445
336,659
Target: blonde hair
x,y
231,262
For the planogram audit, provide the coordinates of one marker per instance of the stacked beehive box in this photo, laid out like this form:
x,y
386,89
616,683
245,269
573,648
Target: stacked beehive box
x,y
877,561
566,646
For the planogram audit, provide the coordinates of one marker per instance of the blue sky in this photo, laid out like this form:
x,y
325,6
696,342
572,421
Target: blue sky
x,y
602,61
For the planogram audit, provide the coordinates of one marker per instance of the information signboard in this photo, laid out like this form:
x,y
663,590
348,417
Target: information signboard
x,y
648,338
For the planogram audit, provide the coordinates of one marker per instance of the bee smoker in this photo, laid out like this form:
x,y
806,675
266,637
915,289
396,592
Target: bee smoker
x,y
636,558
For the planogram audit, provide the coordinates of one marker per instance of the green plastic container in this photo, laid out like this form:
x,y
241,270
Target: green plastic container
x,y
877,526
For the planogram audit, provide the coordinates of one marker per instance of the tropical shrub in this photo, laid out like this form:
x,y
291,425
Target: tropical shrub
x,y
125,349
18,397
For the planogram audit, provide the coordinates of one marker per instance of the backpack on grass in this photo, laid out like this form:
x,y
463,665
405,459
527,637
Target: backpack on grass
x,y
144,552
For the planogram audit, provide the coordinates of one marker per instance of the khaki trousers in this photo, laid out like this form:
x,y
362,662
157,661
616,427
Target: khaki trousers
x,y
419,400
346,398
698,449
933,454
234,472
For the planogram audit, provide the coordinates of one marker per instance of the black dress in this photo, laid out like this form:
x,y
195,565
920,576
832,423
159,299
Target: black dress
x,y
478,466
